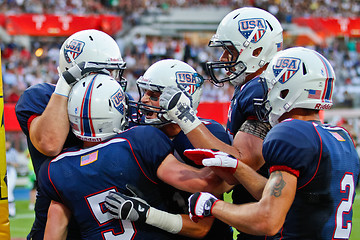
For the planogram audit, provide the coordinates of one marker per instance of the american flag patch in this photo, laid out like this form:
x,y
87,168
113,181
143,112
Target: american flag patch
x,y
314,94
90,158
337,136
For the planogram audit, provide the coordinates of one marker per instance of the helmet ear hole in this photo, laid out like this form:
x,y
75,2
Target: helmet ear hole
x,y
257,51
271,28
284,93
304,69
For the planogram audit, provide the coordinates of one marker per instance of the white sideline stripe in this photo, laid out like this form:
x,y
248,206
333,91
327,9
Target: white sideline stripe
x,y
23,216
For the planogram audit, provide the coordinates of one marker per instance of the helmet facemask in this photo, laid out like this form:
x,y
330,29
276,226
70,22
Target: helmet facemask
x,y
235,67
143,109
164,73
255,34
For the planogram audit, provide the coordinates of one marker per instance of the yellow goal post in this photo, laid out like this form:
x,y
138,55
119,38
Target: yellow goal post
x,y
4,207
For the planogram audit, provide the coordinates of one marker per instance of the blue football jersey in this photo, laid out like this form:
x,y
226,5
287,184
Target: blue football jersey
x,y
242,109
326,164
31,104
241,106
82,178
181,142
219,230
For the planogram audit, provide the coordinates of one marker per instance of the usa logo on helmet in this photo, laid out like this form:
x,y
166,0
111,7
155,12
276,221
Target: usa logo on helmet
x,y
290,64
118,99
74,48
189,81
246,27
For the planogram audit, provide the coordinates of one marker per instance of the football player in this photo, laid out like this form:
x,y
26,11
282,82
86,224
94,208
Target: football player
x,y
42,108
171,72
114,159
314,167
250,37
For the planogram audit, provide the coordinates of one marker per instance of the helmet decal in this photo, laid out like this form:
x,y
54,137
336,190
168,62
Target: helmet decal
x,y
290,64
190,81
74,48
314,94
246,26
118,101
329,83
87,128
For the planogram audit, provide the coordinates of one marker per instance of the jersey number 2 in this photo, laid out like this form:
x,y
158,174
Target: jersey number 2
x,y
343,229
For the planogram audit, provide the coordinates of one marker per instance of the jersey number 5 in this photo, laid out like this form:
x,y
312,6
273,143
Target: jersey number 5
x,y
343,229
95,203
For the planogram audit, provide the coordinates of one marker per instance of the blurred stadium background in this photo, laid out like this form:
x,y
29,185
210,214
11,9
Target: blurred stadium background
x,y
32,31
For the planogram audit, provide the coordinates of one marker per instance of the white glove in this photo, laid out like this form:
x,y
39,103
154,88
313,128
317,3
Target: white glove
x,y
68,78
179,108
221,159
212,158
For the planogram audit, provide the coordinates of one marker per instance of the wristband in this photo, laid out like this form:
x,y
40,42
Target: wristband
x,y
189,126
171,223
62,87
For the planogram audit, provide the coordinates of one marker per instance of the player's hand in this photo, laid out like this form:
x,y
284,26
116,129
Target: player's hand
x,y
212,158
69,77
179,108
78,71
197,155
200,205
124,207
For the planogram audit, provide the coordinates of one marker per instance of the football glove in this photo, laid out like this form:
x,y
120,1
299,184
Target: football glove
x,y
179,110
200,205
135,208
124,207
69,77
212,158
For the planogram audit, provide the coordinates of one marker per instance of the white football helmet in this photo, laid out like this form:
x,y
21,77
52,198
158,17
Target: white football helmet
x,y
245,29
97,108
169,72
92,46
298,78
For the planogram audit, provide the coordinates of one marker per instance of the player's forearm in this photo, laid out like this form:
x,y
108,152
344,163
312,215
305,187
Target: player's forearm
x,y
49,131
195,230
267,216
201,137
250,179
57,222
248,218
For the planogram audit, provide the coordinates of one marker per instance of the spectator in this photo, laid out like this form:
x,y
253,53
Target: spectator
x,y
11,165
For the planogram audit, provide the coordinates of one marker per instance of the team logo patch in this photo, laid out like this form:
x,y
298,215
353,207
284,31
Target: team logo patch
x,y
118,101
189,81
246,26
73,49
290,64
89,158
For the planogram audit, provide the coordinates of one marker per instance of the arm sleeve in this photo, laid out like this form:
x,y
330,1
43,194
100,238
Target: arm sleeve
x,y
150,146
292,147
32,103
45,183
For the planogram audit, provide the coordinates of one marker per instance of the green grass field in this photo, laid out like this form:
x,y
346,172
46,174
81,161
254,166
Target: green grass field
x,y
21,224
